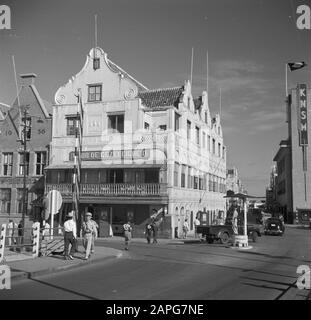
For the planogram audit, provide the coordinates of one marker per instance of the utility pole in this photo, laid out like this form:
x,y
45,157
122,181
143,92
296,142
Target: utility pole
x,y
25,195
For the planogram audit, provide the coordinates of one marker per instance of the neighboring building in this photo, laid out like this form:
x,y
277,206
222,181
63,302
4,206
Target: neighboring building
x,y
271,190
293,180
142,150
234,183
38,137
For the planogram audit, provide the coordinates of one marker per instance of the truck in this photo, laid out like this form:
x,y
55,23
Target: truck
x,y
224,232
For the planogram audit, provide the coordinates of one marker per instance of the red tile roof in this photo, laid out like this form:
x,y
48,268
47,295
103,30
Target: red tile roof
x,y
161,97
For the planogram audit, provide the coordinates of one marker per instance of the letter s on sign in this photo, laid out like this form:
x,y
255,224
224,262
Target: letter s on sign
x,y
5,277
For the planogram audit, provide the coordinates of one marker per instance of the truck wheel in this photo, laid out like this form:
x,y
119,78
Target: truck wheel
x,y
254,236
224,237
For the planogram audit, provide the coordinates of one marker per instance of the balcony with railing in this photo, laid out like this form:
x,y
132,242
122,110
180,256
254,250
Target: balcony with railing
x,y
112,189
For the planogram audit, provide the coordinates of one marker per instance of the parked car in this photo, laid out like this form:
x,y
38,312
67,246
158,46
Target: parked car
x,y
274,226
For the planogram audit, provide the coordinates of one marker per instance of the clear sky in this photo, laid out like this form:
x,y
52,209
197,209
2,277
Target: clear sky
x,y
249,42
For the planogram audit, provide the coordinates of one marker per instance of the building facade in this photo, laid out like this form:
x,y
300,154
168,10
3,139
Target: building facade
x,y
31,111
293,179
141,150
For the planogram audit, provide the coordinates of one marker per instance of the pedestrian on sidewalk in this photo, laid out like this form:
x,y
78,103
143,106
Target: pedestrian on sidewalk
x,y
185,228
88,231
196,224
155,228
148,232
46,232
95,235
20,235
70,229
12,228
127,234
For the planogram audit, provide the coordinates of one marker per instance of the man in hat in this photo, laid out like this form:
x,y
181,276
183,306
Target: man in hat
x,y
88,231
70,235
127,234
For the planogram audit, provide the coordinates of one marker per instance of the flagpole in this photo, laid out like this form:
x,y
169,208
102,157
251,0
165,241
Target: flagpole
x,y
286,84
207,75
220,102
191,67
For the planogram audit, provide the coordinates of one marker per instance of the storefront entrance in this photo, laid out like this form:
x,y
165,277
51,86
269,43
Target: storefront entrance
x,y
110,218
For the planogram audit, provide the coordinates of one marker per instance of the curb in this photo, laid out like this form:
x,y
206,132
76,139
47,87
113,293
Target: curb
x,y
28,275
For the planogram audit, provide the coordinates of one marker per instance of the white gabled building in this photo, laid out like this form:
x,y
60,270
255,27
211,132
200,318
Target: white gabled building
x,y
142,150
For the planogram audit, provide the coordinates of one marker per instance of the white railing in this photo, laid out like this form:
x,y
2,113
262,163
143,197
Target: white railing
x,y
112,189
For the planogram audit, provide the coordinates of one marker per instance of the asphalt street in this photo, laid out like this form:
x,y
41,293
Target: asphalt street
x,y
182,271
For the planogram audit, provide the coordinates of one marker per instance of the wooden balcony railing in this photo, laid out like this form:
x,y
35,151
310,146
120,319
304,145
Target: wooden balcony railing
x,y
111,189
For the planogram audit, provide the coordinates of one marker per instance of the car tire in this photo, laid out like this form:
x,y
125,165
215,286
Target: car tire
x,y
254,236
224,238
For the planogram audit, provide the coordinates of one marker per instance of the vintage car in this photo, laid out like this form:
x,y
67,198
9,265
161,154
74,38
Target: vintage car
x,y
274,226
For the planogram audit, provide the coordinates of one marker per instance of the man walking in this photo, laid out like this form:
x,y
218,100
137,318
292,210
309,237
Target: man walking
x,y
185,228
95,235
12,228
148,232
155,228
196,224
88,230
70,229
127,234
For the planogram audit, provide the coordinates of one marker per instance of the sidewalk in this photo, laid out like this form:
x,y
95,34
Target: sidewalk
x,y
45,265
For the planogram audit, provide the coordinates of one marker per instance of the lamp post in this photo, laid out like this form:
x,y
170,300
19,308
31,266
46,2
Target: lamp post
x,y
24,142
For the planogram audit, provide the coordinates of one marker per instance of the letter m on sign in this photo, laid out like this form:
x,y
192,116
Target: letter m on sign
x,y
5,17
302,115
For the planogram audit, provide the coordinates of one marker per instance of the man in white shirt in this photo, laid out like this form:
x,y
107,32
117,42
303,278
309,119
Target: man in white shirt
x,y
196,224
70,235
12,229
185,229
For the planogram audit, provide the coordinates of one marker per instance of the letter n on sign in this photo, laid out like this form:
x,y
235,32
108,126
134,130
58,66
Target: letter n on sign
x,y
302,115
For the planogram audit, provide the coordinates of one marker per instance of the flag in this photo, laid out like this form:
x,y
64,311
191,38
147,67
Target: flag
x,y
296,65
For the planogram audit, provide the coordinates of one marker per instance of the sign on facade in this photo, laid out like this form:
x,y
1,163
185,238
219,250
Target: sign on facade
x,y
112,155
302,115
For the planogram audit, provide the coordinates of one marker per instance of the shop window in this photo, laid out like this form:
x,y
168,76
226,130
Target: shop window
x,y
116,123
5,200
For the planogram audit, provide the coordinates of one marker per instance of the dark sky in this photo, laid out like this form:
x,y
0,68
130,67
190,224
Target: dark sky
x,y
249,42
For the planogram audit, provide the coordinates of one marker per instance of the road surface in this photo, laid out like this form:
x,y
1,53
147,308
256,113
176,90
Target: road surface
x,y
184,271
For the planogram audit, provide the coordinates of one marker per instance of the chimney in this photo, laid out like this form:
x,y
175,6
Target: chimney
x,y
28,79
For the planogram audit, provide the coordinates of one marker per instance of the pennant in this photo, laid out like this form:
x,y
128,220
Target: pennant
x,y
296,65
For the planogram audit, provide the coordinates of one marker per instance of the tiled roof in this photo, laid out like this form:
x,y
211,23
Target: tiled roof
x,y
161,97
